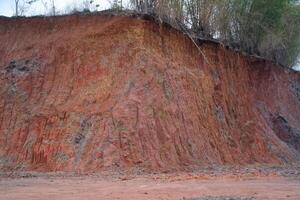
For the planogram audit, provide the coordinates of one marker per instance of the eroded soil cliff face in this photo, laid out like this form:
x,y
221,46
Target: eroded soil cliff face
x,y
87,93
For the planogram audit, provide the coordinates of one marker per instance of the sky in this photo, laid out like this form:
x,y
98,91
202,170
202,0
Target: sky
x,y
7,6
297,67
62,6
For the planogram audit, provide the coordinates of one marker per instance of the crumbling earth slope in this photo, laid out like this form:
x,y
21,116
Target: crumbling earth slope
x,y
92,92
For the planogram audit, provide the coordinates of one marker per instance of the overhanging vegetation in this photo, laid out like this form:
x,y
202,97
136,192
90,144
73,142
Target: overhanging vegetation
x,y
267,28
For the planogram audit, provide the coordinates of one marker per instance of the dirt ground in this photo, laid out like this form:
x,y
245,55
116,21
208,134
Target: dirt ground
x,y
182,186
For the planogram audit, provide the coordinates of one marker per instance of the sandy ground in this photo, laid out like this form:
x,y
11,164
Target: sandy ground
x,y
163,187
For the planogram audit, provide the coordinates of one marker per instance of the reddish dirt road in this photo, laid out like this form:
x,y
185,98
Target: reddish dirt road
x,y
141,188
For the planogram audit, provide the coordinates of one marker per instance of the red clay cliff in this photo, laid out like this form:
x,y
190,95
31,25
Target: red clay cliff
x,y
92,92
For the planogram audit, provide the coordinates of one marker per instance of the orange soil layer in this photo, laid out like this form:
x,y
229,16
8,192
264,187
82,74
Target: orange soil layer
x,y
87,93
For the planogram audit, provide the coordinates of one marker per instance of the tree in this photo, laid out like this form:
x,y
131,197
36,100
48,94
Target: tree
x,y
17,7
22,5
49,6
53,9
267,28
116,4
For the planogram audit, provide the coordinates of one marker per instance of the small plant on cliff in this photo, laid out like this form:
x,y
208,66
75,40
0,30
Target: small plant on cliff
x,y
116,4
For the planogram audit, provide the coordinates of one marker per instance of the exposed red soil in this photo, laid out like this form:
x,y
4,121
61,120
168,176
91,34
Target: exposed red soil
x,y
273,188
87,93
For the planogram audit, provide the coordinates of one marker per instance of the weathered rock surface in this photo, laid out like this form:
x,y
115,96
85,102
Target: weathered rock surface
x,y
87,93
